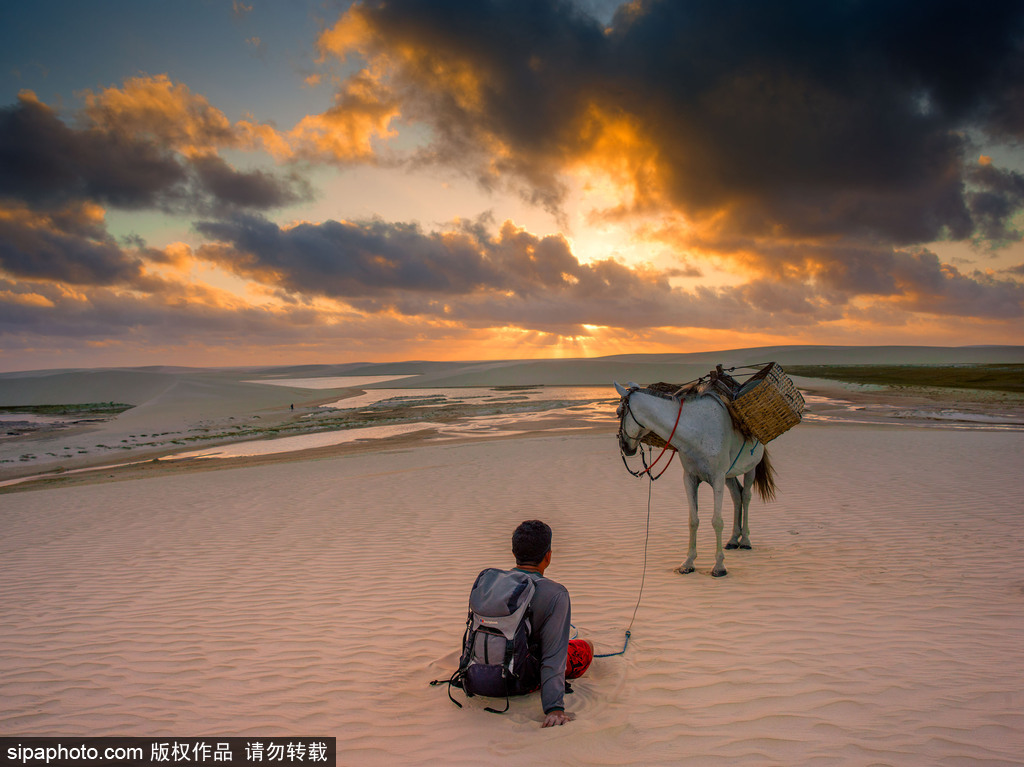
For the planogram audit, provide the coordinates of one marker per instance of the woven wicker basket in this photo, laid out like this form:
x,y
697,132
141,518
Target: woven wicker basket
x,y
652,439
768,404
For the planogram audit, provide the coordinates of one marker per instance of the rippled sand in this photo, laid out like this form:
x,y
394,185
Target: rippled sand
x,y
876,621
316,592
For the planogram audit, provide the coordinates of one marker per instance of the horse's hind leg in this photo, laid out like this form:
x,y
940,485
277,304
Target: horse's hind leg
x,y
741,499
691,484
737,521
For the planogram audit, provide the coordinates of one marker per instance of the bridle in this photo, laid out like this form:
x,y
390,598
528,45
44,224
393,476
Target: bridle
x,y
624,410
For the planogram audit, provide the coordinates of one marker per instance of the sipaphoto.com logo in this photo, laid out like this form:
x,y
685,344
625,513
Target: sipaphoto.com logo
x,y
61,751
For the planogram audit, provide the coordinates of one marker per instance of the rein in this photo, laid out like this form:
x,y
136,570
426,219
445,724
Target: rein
x,y
648,470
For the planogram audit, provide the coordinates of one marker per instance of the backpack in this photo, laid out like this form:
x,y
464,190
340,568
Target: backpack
x,y
498,659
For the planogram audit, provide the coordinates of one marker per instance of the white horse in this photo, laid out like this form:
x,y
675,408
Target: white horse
x,y
711,449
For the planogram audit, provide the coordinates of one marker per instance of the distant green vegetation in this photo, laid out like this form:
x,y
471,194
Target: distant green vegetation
x,y
1008,378
89,408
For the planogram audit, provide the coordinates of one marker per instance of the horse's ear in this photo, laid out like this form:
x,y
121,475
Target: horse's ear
x,y
621,390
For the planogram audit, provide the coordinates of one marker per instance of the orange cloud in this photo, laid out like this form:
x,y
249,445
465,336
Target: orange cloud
x,y
254,136
352,34
82,217
174,117
25,299
396,71
176,255
409,65
168,113
617,163
363,111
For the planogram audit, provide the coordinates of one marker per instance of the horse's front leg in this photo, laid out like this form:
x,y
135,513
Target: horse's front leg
x,y
748,490
691,484
716,522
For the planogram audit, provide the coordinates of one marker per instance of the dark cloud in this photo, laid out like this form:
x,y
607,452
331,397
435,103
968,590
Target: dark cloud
x,y
68,246
46,163
835,273
996,196
349,260
929,286
469,274
513,277
378,258
36,310
516,71
796,118
256,190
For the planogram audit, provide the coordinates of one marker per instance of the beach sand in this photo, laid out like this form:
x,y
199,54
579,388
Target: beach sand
x,y
877,620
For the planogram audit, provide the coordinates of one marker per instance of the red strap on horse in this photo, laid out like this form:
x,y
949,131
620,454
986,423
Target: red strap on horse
x,y
668,445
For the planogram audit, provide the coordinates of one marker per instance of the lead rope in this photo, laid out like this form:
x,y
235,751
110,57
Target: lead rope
x,y
643,577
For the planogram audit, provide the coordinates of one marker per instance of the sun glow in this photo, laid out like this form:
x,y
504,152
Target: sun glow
x,y
619,169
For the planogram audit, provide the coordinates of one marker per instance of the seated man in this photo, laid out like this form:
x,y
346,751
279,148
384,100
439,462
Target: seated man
x,y
560,657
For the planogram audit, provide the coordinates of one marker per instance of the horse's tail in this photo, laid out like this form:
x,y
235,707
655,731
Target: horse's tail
x,y
764,479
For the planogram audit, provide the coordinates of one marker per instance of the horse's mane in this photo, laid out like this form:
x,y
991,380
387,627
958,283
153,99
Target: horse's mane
x,y
671,391
700,388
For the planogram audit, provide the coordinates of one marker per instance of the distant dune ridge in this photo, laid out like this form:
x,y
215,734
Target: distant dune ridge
x,y
42,387
176,409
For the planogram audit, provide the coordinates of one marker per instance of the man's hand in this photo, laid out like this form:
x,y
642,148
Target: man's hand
x,y
558,718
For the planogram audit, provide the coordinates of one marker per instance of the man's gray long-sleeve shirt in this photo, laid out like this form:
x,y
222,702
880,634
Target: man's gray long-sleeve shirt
x,y
551,617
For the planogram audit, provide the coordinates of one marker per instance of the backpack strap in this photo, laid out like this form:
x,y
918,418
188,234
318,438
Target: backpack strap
x,y
504,676
453,680
450,683
509,654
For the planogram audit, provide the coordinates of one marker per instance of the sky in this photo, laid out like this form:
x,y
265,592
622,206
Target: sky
x,y
232,182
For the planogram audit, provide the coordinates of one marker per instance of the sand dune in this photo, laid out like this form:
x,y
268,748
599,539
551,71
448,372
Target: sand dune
x,y
171,411
876,621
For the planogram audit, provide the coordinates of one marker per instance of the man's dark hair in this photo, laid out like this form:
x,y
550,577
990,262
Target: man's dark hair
x,y
530,542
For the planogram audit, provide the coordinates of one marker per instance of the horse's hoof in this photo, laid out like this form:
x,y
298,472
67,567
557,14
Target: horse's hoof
x,y
684,570
745,546
730,546
719,573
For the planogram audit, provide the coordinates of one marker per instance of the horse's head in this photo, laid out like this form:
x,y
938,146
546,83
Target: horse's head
x,y
630,430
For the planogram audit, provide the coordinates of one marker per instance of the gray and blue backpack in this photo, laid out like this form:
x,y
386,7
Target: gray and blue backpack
x,y
497,657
